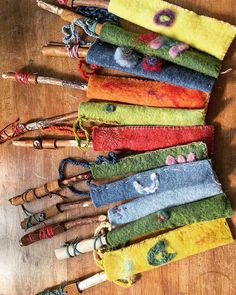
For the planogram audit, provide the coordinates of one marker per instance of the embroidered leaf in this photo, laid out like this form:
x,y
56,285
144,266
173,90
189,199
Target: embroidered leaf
x,y
159,248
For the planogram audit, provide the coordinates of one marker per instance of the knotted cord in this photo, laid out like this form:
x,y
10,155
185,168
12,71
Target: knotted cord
x,y
71,34
58,291
61,173
101,15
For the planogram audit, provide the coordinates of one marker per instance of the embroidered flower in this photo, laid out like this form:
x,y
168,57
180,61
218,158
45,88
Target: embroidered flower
x,y
148,37
181,159
191,157
112,136
156,43
177,49
164,17
152,64
163,216
170,160
126,57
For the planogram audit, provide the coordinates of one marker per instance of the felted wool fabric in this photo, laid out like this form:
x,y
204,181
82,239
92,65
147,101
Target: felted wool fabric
x,y
122,114
102,54
146,161
168,247
212,208
148,138
182,184
190,58
149,93
195,180
204,33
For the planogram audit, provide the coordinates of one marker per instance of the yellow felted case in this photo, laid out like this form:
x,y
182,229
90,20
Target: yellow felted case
x,y
204,33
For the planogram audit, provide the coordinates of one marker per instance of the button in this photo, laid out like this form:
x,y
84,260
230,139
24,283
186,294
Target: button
x,y
163,216
109,108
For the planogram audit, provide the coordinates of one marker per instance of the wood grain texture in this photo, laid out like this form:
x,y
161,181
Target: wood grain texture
x,y
24,29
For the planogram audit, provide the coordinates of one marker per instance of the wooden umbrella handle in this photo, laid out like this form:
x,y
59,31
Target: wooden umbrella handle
x,y
37,193
46,189
49,231
43,233
41,216
89,3
62,51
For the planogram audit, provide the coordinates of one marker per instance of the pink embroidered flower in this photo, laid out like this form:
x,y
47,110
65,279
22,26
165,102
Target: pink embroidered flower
x,y
170,160
156,43
191,157
181,159
177,49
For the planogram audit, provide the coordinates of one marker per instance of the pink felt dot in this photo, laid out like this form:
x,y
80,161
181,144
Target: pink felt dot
x,y
177,49
170,160
191,157
181,159
156,43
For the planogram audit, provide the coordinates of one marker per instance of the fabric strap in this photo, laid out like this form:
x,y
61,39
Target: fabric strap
x,y
168,247
201,32
122,114
212,208
178,184
102,54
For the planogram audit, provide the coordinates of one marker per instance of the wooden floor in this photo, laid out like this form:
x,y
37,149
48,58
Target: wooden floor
x,y
24,29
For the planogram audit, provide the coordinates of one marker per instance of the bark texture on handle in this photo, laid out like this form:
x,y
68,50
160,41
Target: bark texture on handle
x,y
37,193
46,189
69,16
46,232
53,211
85,221
40,216
89,3
52,230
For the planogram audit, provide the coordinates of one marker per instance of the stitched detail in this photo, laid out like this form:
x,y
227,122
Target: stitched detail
x,y
148,189
164,17
159,248
148,138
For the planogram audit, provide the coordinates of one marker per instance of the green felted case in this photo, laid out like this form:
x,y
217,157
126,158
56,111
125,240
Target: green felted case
x,y
147,161
212,208
122,114
191,58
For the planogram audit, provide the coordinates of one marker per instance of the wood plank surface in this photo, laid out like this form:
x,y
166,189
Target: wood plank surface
x,y
24,29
